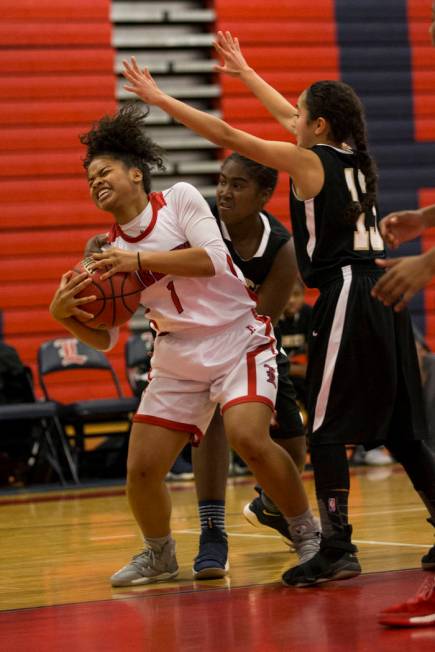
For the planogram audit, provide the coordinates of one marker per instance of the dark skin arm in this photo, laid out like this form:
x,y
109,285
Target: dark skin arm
x,y
94,245
275,289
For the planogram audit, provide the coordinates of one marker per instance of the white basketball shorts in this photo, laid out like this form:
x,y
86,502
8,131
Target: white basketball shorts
x,y
190,375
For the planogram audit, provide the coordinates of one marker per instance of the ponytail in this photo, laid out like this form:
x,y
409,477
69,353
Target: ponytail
x,y
338,103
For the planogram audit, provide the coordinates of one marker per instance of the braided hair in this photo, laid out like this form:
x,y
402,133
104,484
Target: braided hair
x,y
266,178
338,103
122,137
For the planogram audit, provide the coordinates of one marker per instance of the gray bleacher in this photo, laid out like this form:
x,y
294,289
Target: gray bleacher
x,y
174,40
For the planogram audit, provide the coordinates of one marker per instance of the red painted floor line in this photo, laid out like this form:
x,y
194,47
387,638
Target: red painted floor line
x,y
337,617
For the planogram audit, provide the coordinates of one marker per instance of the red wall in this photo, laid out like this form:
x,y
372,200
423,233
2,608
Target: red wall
x,y
56,79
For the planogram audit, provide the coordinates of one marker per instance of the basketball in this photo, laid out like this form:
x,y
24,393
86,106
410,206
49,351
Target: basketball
x,y
117,297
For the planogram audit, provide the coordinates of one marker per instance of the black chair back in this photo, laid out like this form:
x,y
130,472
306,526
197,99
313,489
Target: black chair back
x,y
65,354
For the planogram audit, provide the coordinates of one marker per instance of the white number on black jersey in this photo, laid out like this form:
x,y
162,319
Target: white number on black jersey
x,y
364,239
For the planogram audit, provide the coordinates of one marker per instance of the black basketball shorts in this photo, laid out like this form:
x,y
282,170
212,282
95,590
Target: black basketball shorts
x,y
363,379
287,411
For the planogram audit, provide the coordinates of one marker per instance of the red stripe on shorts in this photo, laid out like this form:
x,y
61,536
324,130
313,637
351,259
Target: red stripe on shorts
x,y
196,433
255,398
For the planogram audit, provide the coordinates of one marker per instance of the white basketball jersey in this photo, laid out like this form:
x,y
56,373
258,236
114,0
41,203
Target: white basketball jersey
x,y
180,218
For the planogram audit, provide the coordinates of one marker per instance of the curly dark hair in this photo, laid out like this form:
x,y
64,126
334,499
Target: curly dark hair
x,y
265,178
122,137
338,103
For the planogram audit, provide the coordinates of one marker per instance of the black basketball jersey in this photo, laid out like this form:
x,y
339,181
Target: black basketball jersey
x,y
255,269
324,241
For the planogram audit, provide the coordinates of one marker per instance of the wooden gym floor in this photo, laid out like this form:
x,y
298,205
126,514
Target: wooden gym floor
x,y
58,549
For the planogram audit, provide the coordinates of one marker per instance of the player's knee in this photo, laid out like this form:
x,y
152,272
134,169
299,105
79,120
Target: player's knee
x,y
139,473
248,446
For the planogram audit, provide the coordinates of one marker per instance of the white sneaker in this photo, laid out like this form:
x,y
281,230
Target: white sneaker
x,y
378,457
306,540
148,566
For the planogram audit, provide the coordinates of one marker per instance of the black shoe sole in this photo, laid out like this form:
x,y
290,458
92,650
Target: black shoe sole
x,y
343,574
429,565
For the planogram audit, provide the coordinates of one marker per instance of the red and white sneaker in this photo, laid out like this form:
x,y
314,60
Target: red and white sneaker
x,y
415,612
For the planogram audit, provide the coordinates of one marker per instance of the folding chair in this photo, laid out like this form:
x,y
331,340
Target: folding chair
x,y
67,356
138,352
43,414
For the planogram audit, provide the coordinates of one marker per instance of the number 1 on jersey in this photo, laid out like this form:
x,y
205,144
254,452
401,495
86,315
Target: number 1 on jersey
x,y
174,296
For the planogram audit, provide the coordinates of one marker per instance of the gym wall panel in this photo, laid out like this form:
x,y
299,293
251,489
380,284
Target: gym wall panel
x,y
41,60
57,77
54,112
40,11
52,214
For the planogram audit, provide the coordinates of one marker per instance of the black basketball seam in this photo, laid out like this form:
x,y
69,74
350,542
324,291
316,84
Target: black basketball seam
x,y
123,296
98,288
110,279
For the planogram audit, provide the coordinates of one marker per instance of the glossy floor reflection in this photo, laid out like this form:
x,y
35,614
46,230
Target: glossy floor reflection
x,y
58,550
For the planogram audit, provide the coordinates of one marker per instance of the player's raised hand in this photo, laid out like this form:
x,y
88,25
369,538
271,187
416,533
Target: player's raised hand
x,y
401,226
117,260
65,303
403,278
140,82
229,50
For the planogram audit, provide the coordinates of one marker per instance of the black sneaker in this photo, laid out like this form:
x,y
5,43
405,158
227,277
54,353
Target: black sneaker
x,y
334,561
428,560
211,561
257,514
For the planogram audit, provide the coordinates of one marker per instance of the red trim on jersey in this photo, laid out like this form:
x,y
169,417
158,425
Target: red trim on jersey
x,y
252,295
255,398
231,266
157,201
196,433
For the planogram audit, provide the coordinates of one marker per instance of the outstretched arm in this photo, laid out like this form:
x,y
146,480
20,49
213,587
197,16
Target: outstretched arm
x,y
400,226
236,65
301,164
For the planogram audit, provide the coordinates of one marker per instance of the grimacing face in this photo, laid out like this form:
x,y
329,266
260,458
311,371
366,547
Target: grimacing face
x,y
111,182
238,196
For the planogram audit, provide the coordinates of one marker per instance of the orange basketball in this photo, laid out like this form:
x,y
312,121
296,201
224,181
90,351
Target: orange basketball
x,y
117,297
